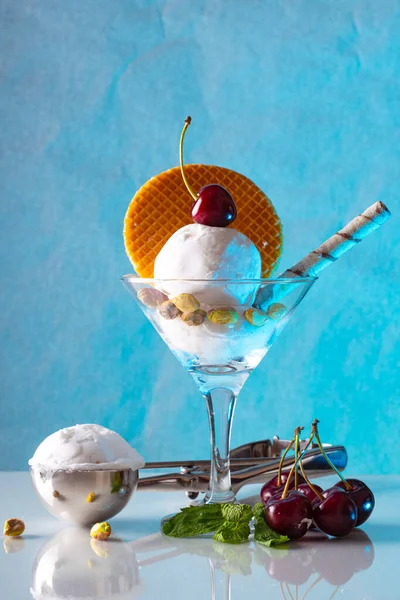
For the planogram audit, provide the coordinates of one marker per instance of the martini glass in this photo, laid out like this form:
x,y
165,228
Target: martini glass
x,y
220,357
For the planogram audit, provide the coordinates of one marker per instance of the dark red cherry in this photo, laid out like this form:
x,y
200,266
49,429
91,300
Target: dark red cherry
x,y
336,514
305,489
291,516
362,496
214,207
271,488
270,492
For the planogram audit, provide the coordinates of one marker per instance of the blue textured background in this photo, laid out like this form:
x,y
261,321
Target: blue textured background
x,y
302,97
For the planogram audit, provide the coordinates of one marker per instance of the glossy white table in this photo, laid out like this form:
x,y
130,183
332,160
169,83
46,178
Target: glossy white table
x,y
54,560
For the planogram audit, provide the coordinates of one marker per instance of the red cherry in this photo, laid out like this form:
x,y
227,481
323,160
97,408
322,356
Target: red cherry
x,y
305,489
270,492
214,207
336,514
362,496
291,516
271,488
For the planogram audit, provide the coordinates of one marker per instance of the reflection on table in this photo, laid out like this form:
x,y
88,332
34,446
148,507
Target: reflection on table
x,y
72,565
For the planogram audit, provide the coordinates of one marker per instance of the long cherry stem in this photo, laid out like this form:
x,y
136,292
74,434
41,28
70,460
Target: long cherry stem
x,y
292,470
188,120
308,482
330,463
279,482
296,454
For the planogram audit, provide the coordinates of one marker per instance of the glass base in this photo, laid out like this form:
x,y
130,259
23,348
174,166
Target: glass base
x,y
227,497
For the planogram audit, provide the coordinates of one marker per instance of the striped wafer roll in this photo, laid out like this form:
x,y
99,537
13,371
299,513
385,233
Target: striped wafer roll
x,y
329,251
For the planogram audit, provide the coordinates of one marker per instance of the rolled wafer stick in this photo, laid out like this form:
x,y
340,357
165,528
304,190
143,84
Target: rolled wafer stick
x,y
328,252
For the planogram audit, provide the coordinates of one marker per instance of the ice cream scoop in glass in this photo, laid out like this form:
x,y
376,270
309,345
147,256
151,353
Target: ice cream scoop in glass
x,y
219,330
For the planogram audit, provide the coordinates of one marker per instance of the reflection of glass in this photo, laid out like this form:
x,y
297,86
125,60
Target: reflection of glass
x,y
220,356
74,566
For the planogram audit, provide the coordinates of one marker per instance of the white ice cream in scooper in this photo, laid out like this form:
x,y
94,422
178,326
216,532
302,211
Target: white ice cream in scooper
x,y
85,474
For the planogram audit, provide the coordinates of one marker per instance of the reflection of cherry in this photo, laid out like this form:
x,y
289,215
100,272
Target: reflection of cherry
x,y
338,560
294,568
363,548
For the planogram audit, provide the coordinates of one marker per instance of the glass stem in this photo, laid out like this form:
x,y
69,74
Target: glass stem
x,y
220,407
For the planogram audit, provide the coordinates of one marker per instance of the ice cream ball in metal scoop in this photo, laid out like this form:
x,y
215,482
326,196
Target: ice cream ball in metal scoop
x,y
85,474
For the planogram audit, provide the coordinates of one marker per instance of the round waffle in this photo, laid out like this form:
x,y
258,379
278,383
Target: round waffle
x,y
163,205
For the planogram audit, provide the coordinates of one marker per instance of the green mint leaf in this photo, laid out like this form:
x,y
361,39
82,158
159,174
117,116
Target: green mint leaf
x,y
209,510
116,483
231,532
194,520
236,512
258,510
263,534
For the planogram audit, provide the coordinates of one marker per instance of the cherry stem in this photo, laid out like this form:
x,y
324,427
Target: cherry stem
x,y
296,454
308,482
279,482
348,486
188,120
292,470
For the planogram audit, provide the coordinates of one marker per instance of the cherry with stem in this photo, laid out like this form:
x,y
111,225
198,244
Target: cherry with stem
x,y
213,205
290,513
357,490
276,484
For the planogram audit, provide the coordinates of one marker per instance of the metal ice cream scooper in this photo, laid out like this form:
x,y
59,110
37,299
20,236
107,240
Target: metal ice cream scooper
x,y
85,497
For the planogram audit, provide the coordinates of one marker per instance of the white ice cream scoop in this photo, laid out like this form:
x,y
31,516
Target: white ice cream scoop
x,y
202,252
85,474
86,447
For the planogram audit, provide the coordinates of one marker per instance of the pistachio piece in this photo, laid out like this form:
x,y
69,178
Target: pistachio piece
x,y
255,317
226,315
168,310
14,527
100,531
276,310
186,303
151,297
195,318
91,497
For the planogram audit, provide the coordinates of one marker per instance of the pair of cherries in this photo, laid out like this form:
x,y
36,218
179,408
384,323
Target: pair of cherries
x,y
213,205
341,508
